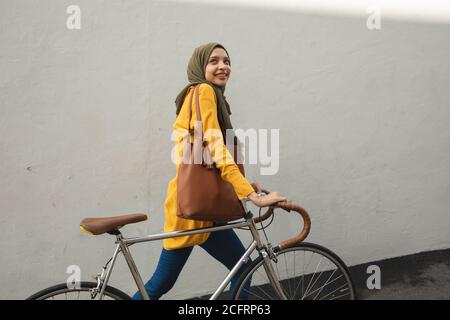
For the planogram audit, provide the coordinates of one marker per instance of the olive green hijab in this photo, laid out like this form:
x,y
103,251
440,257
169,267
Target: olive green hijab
x,y
196,75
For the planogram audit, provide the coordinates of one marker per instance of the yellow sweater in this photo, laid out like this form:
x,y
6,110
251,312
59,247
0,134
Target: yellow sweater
x,y
229,170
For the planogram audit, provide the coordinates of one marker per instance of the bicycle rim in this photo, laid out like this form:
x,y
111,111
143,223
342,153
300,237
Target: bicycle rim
x,y
306,272
62,292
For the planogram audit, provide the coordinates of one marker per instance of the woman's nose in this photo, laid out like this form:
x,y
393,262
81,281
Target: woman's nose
x,y
222,65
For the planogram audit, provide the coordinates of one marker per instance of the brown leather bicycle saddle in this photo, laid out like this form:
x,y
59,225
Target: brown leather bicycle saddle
x,y
98,226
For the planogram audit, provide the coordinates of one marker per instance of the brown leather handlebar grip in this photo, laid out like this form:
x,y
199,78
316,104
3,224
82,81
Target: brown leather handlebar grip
x,y
290,206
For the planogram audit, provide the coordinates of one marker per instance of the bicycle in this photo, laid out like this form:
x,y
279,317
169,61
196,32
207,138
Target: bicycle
x,y
262,278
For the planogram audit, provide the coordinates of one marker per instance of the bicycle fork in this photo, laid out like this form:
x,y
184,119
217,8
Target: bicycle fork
x,y
273,278
268,255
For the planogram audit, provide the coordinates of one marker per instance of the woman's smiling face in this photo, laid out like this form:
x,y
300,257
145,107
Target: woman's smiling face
x,y
218,68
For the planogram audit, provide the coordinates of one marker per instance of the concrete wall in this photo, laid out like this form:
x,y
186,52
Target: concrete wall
x,y
86,116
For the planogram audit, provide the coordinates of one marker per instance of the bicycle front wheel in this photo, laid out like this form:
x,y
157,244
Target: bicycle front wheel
x,y
83,292
305,272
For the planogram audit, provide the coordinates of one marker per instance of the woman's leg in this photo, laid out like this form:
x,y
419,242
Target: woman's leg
x,y
226,247
170,264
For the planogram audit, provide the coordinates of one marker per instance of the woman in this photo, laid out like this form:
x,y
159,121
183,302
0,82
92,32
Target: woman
x,y
210,67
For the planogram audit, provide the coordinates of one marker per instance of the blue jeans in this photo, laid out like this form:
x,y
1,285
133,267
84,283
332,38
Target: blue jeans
x,y
224,246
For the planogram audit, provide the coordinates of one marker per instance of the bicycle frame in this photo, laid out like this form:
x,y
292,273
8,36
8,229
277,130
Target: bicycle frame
x,y
264,250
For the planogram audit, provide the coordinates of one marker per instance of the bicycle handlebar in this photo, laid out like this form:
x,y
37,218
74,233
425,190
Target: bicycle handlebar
x,y
289,206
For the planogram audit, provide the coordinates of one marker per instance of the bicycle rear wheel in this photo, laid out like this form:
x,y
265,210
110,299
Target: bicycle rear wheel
x,y
306,272
62,292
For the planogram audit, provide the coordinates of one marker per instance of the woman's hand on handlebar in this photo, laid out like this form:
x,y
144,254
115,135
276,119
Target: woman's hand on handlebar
x,y
256,186
266,200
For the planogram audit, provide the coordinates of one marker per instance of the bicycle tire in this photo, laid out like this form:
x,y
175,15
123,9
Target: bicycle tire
x,y
264,290
62,289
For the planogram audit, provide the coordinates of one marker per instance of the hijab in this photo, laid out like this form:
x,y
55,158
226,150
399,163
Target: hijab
x,y
196,75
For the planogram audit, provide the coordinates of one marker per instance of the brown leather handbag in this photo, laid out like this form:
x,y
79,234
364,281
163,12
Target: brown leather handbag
x,y
202,194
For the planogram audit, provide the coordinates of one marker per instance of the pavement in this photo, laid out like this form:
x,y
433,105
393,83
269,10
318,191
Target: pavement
x,y
421,276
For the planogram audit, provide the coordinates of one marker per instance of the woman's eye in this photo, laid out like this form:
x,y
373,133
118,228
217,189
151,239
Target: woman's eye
x,y
215,61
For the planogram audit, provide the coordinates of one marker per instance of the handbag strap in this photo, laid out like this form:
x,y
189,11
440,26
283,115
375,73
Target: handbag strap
x,y
197,102
206,153
190,110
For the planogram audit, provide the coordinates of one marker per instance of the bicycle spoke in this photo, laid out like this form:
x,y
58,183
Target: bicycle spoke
x,y
301,281
293,276
304,270
287,276
321,288
302,277
253,294
339,288
303,273
264,292
330,283
307,288
320,274
313,285
326,283
340,296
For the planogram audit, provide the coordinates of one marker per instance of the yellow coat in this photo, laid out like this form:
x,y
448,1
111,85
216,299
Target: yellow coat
x,y
229,170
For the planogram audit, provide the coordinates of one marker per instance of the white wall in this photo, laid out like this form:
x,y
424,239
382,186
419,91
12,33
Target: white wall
x,y
86,116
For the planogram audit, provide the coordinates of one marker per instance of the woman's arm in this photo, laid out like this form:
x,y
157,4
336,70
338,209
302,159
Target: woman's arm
x,y
219,152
